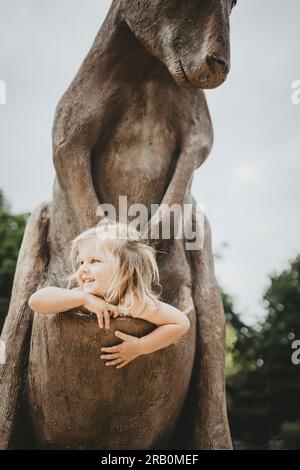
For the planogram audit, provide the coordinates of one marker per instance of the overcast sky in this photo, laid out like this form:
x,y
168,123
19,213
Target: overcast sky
x,y
249,185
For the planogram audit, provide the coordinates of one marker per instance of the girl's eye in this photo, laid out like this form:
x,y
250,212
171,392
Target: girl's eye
x,y
92,261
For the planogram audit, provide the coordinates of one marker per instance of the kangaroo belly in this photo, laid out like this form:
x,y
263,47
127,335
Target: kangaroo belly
x,y
140,157
78,402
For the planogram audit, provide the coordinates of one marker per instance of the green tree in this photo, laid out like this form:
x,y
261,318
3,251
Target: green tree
x,y
246,382
263,384
281,328
11,234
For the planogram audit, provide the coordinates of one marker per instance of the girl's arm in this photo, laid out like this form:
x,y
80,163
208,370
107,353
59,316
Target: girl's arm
x,y
56,299
172,324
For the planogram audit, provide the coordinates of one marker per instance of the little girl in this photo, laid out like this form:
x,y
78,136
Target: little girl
x,y
114,271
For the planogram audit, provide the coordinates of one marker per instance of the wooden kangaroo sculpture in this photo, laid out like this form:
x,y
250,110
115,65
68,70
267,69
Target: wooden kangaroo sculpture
x,y
134,122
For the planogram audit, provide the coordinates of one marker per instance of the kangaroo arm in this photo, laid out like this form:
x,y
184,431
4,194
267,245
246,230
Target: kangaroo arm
x,y
79,124
72,163
196,146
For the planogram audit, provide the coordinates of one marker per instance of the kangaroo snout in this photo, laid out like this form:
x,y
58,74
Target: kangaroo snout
x,y
210,72
218,65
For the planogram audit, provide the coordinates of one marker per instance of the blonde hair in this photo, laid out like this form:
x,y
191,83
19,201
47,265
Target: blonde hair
x,y
135,268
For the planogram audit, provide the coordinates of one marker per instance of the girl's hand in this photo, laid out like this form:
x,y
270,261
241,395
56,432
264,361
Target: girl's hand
x,y
101,308
123,353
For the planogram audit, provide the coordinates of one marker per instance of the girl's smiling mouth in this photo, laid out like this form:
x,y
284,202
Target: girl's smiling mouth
x,y
87,281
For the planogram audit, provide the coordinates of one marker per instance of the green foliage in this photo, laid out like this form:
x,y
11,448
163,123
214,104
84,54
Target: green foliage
x,y
281,327
246,383
264,388
290,432
11,234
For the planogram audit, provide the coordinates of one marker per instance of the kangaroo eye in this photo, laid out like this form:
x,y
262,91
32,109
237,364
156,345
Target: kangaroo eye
x,y
96,260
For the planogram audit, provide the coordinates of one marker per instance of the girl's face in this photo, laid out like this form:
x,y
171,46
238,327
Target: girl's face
x,y
96,264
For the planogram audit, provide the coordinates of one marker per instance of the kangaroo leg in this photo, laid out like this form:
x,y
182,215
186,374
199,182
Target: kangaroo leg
x,y
31,267
209,429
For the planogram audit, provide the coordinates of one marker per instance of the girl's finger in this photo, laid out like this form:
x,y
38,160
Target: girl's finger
x,y
113,363
112,313
122,364
111,349
106,317
111,307
100,319
110,356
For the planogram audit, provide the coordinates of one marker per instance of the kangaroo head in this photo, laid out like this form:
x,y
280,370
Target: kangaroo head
x,y
191,37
